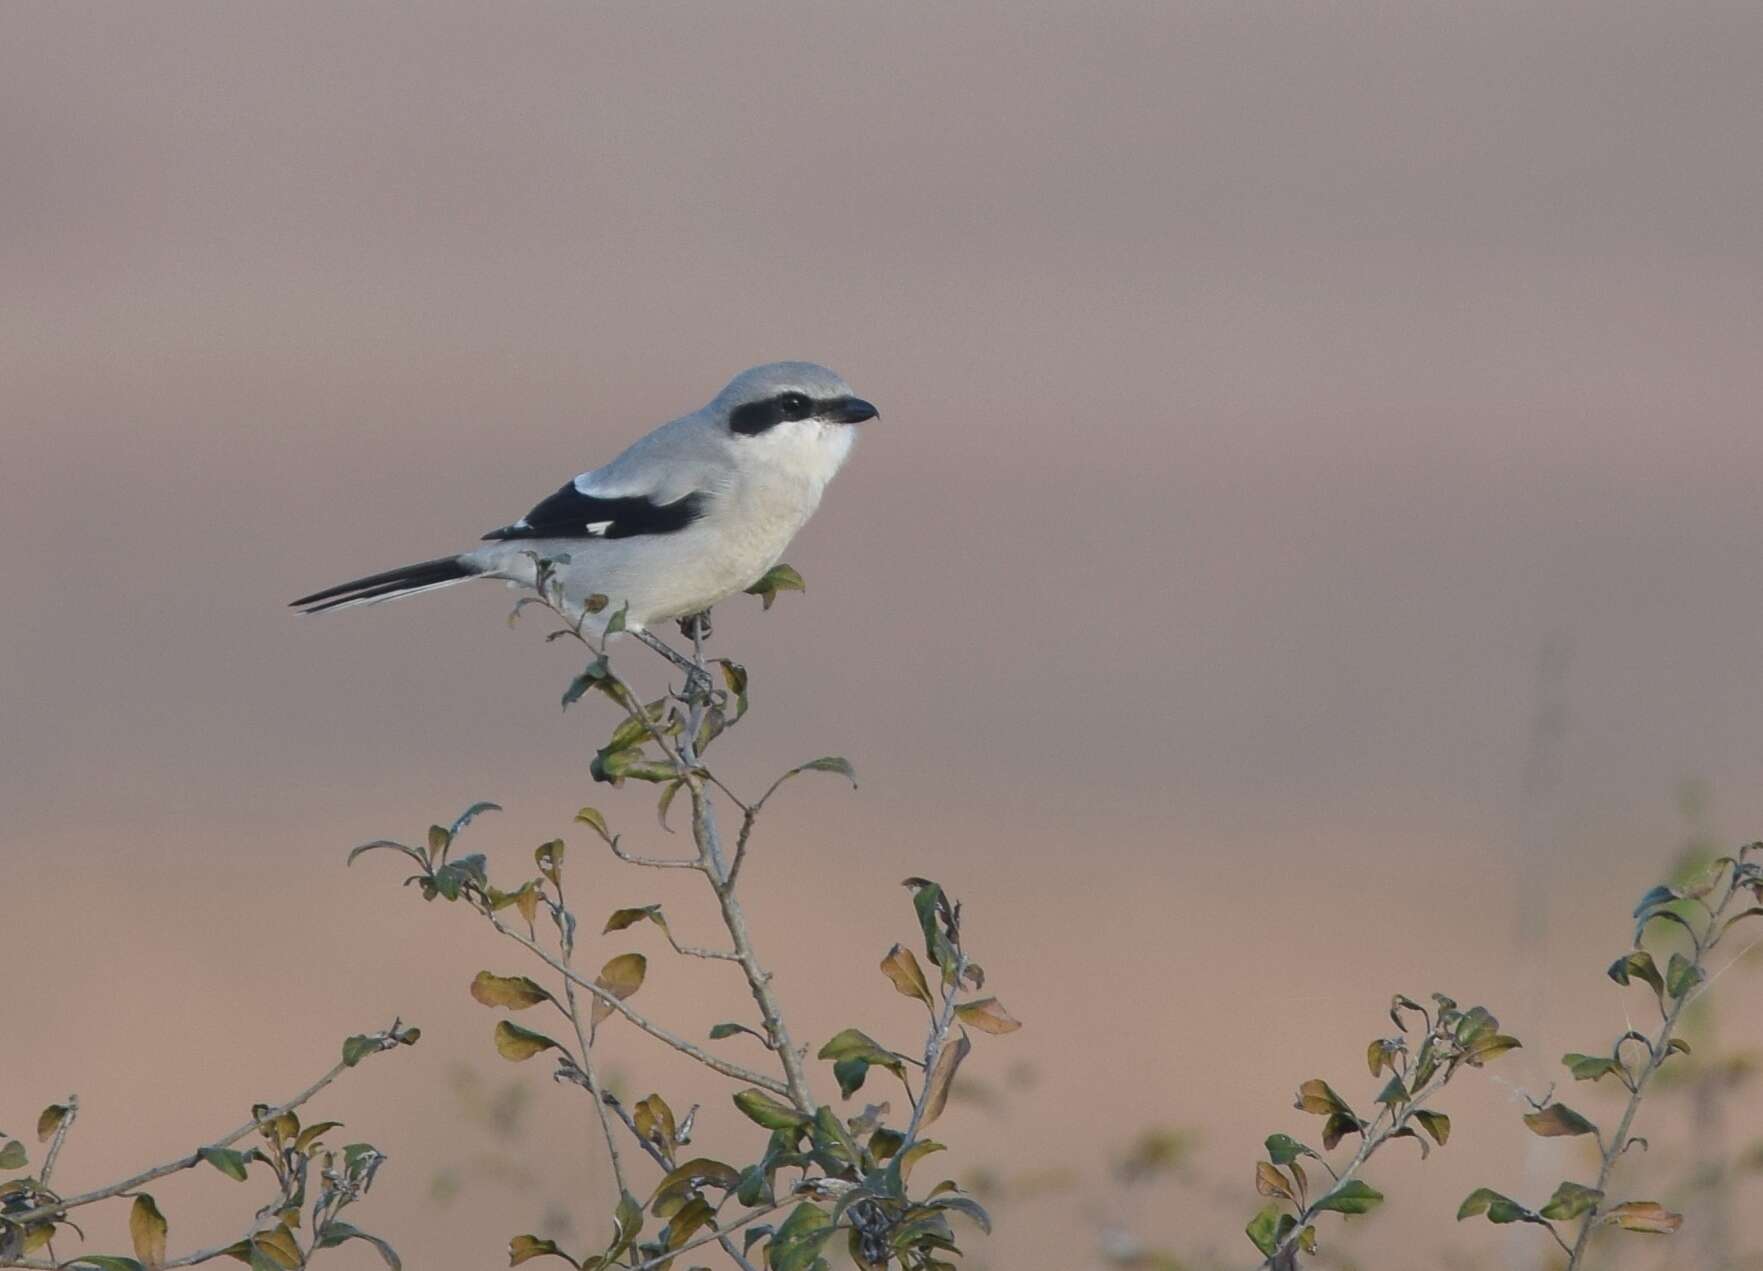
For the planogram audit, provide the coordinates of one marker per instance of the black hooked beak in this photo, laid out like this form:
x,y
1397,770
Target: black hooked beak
x,y
851,410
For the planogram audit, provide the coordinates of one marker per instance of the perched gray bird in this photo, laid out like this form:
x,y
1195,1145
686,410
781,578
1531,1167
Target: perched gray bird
x,y
689,515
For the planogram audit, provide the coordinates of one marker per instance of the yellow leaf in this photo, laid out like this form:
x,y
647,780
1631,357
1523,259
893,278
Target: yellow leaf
x,y
516,992
147,1229
654,1120
620,977
517,1043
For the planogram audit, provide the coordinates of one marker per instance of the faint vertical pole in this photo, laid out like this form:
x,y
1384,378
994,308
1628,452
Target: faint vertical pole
x,y
1534,842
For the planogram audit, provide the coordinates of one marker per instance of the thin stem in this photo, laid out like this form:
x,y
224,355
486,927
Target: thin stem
x,y
666,1162
654,1030
1658,1049
709,840
73,1110
587,1065
388,1041
742,1221
933,1046
1371,1139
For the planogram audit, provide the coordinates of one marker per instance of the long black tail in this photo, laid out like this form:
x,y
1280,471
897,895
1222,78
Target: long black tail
x,y
406,581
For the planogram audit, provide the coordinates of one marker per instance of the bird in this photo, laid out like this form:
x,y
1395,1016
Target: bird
x,y
694,512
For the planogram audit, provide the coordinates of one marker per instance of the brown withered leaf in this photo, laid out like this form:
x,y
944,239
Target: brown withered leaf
x,y
942,1078
147,1228
1646,1216
901,967
988,1015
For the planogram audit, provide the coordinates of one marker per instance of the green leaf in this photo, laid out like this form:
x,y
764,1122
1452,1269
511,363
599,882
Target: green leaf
x,y
595,676
13,1155
226,1160
1436,1124
720,1031
968,1206
517,1043
549,856
615,623
388,845
832,763
1489,1046
335,1233
1351,1197
1558,1121
515,992
1570,1201
49,1121
359,1047
593,817
693,1175
933,910
1318,1097
1498,1208
1283,1149
1589,1067
623,918
798,1241
1638,965
1393,1092
1338,1126
777,578
1682,975
766,1111
105,1262
466,818
147,1228
1263,1230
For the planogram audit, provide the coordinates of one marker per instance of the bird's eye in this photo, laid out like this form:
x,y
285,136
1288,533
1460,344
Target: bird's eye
x,y
794,405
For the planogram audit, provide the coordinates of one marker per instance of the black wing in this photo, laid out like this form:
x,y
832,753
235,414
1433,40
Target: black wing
x,y
571,514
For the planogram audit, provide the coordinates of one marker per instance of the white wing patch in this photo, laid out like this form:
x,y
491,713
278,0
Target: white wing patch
x,y
597,527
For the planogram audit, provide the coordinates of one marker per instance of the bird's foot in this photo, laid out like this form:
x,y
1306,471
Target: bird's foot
x,y
696,626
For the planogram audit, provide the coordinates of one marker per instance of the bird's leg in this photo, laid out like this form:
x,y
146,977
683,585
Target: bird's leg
x,y
698,682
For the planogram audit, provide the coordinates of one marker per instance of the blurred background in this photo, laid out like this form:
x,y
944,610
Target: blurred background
x,y
1309,551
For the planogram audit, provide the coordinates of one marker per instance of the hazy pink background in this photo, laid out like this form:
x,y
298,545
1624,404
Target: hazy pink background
x,y
1263,386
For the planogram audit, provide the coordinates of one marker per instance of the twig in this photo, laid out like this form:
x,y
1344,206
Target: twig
x,y
1658,1049
581,1037
754,1216
134,1181
1371,1139
933,1046
73,1110
654,1030
712,862
666,1162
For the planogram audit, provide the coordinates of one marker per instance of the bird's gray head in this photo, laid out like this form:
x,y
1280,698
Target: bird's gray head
x,y
790,396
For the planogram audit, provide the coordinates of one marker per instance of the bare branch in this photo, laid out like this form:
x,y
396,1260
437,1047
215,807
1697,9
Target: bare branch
x,y
66,1123
654,1030
388,1041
